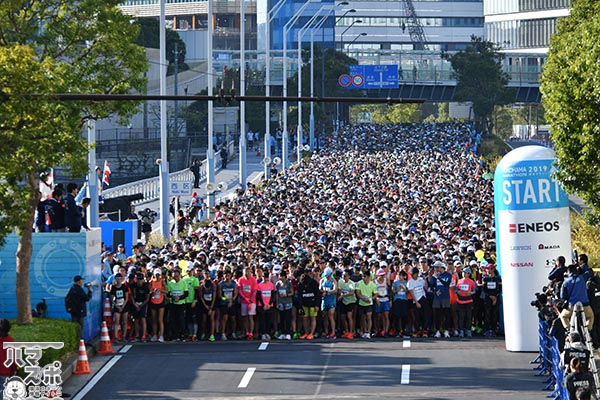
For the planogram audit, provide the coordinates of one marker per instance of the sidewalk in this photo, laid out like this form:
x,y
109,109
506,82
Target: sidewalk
x,y
230,175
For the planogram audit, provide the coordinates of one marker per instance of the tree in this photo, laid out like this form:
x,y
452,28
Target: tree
x,y
480,79
570,86
149,36
49,47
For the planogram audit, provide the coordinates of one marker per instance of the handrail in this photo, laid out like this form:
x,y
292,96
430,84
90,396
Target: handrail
x,y
150,187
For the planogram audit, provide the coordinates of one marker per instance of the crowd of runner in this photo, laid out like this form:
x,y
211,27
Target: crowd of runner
x,y
388,231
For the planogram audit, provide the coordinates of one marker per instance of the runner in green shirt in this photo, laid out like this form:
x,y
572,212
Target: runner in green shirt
x,y
348,299
366,292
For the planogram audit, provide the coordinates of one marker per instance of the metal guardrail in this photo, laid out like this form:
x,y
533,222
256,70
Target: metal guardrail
x,y
150,187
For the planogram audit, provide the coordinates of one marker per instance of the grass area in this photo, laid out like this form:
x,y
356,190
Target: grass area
x,y
584,238
49,330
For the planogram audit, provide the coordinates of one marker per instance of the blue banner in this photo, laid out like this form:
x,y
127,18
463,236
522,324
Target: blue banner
x,y
528,185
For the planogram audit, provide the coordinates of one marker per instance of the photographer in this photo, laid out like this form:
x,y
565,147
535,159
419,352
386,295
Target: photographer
x,y
147,217
557,275
78,298
573,291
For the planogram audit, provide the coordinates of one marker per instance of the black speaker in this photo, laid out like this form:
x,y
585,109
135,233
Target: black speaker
x,y
118,238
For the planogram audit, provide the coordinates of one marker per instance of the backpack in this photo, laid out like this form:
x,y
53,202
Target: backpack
x,y
69,302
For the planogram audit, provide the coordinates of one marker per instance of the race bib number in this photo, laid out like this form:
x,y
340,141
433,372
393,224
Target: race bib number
x,y
156,294
120,302
282,292
382,291
228,294
246,288
207,296
266,293
464,287
176,293
491,285
419,292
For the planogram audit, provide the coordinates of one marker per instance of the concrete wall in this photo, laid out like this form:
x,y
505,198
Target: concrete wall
x,y
55,260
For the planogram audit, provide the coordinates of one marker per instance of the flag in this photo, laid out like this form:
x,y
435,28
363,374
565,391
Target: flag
x,y
106,173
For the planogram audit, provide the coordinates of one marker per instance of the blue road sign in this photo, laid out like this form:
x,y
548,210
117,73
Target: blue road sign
x,y
374,76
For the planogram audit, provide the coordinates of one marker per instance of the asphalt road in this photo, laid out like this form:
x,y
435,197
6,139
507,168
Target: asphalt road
x,y
341,369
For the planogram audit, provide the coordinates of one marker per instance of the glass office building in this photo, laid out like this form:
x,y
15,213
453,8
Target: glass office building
x,y
523,25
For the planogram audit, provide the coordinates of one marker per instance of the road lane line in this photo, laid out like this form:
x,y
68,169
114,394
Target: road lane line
x,y
406,343
322,378
405,379
125,348
90,385
263,346
246,378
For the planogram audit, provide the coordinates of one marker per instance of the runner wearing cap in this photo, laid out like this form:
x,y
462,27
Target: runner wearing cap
x,y
328,288
440,283
247,291
178,292
492,286
229,298
285,293
382,304
417,287
347,296
158,289
191,306
119,296
140,293
465,289
400,305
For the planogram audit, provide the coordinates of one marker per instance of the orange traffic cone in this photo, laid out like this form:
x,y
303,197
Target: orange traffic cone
x,y
105,345
82,367
107,314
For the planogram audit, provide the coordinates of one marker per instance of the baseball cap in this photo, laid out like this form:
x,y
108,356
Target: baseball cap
x,y
457,263
380,271
328,271
467,270
120,246
157,271
153,256
77,278
439,264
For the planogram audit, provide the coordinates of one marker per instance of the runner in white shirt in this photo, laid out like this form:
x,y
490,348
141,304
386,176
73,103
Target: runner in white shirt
x,y
417,287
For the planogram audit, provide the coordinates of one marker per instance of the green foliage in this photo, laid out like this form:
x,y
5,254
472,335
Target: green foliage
x,y
149,36
49,330
570,86
49,47
503,122
584,238
492,147
480,79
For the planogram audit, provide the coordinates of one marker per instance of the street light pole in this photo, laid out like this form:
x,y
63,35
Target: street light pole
x,y
242,93
357,21
356,38
210,151
164,162
270,15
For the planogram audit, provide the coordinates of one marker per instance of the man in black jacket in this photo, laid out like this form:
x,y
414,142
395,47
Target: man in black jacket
x,y
310,296
78,300
72,211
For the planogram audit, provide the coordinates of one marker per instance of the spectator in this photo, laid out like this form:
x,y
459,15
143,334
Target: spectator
x,y
574,291
5,337
78,299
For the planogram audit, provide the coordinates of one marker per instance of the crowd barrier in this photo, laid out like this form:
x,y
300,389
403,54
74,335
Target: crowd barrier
x,y
548,359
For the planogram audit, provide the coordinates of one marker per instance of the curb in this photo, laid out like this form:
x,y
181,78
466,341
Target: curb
x,y
71,363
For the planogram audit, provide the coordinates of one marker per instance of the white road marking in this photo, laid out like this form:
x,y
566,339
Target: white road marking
x,y
125,348
405,379
406,343
322,378
246,378
263,346
90,385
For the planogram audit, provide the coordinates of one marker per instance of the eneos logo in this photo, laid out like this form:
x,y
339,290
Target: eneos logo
x,y
548,226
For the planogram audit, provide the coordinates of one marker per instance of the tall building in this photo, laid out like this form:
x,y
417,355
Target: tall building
x,y
523,25
522,28
384,27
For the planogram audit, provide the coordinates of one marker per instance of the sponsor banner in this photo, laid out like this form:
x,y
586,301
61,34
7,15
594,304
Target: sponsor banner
x,y
532,230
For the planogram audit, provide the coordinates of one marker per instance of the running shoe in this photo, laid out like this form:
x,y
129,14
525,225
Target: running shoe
x,y
310,336
469,334
461,334
280,337
211,338
332,336
153,338
417,334
194,338
143,339
438,335
296,336
223,337
288,337
203,336
161,339
446,334
392,332
303,337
